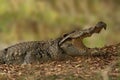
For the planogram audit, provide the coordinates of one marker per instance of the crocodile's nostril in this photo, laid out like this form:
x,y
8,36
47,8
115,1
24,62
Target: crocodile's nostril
x,y
101,24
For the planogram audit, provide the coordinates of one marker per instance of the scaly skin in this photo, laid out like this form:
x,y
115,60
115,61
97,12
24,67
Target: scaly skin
x,y
41,51
31,52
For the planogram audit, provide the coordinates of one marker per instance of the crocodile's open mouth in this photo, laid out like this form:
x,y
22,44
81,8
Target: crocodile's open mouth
x,y
76,45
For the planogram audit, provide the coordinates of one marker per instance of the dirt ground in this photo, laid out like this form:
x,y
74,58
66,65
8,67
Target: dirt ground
x,y
105,67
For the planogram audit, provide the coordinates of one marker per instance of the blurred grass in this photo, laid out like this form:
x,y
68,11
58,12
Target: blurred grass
x,y
23,20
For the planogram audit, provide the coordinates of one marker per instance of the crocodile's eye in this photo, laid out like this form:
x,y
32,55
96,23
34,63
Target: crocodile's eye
x,y
65,35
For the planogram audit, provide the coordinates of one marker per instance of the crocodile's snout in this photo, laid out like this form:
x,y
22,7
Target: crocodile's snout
x,y
101,25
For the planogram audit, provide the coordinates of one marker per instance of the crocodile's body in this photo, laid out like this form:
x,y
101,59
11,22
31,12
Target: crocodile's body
x,y
58,49
34,51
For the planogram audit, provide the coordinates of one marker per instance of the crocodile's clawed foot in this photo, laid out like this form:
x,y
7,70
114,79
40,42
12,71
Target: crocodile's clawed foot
x,y
83,33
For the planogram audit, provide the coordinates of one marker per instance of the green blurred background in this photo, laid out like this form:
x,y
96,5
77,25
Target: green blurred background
x,y
27,20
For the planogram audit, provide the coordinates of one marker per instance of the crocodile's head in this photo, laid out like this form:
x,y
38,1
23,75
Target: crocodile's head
x,y
75,38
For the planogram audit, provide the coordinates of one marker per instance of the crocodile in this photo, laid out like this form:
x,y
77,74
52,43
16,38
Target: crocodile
x,y
61,48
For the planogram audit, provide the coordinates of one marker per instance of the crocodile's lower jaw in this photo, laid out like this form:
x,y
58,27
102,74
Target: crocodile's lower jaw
x,y
78,43
72,50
